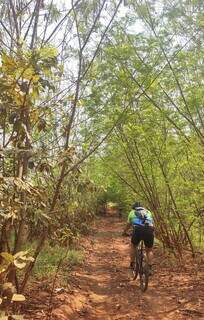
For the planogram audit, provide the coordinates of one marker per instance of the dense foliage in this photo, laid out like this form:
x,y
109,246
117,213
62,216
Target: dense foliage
x,y
156,153
100,101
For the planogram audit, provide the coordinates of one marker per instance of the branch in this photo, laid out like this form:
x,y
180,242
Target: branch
x,y
47,21
15,19
60,23
38,3
7,31
86,156
31,21
119,176
102,37
92,28
151,25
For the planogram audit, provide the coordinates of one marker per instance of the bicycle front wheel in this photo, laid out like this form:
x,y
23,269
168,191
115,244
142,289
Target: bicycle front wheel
x,y
135,270
144,278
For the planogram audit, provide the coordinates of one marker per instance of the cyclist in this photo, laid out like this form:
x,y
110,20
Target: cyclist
x,y
143,229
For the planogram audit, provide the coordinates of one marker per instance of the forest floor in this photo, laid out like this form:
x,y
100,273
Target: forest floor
x,y
101,288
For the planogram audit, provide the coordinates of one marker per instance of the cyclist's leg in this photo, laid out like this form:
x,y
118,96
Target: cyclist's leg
x,y
149,252
149,242
135,240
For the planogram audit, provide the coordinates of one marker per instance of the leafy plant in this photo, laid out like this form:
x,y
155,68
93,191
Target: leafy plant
x,y
9,264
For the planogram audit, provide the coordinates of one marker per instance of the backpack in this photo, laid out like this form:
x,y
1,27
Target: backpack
x,y
141,214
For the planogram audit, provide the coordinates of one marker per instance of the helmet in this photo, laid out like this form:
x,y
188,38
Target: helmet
x,y
136,205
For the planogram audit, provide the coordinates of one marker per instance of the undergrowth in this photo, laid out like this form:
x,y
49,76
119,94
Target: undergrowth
x,y
48,260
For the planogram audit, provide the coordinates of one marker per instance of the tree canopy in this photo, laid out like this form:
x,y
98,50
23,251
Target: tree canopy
x,y
100,101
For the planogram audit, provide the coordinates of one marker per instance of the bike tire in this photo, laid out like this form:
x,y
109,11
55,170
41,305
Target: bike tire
x,y
144,279
135,270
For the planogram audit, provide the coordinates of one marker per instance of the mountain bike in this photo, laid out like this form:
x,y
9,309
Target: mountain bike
x,y
141,267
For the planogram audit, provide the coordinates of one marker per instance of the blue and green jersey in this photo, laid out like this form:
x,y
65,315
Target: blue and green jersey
x,y
135,219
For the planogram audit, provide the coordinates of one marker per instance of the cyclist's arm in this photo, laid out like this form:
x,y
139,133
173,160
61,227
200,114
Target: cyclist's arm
x,y
149,218
129,222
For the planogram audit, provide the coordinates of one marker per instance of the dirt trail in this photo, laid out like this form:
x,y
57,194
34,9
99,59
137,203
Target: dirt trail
x,y
103,290
106,292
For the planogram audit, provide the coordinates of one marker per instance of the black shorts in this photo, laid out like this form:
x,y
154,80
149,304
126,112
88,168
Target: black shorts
x,y
143,233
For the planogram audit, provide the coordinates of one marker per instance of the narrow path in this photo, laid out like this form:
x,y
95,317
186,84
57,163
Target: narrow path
x,y
105,292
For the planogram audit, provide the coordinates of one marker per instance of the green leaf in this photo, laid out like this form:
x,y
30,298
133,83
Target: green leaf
x,y
48,52
29,73
8,257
